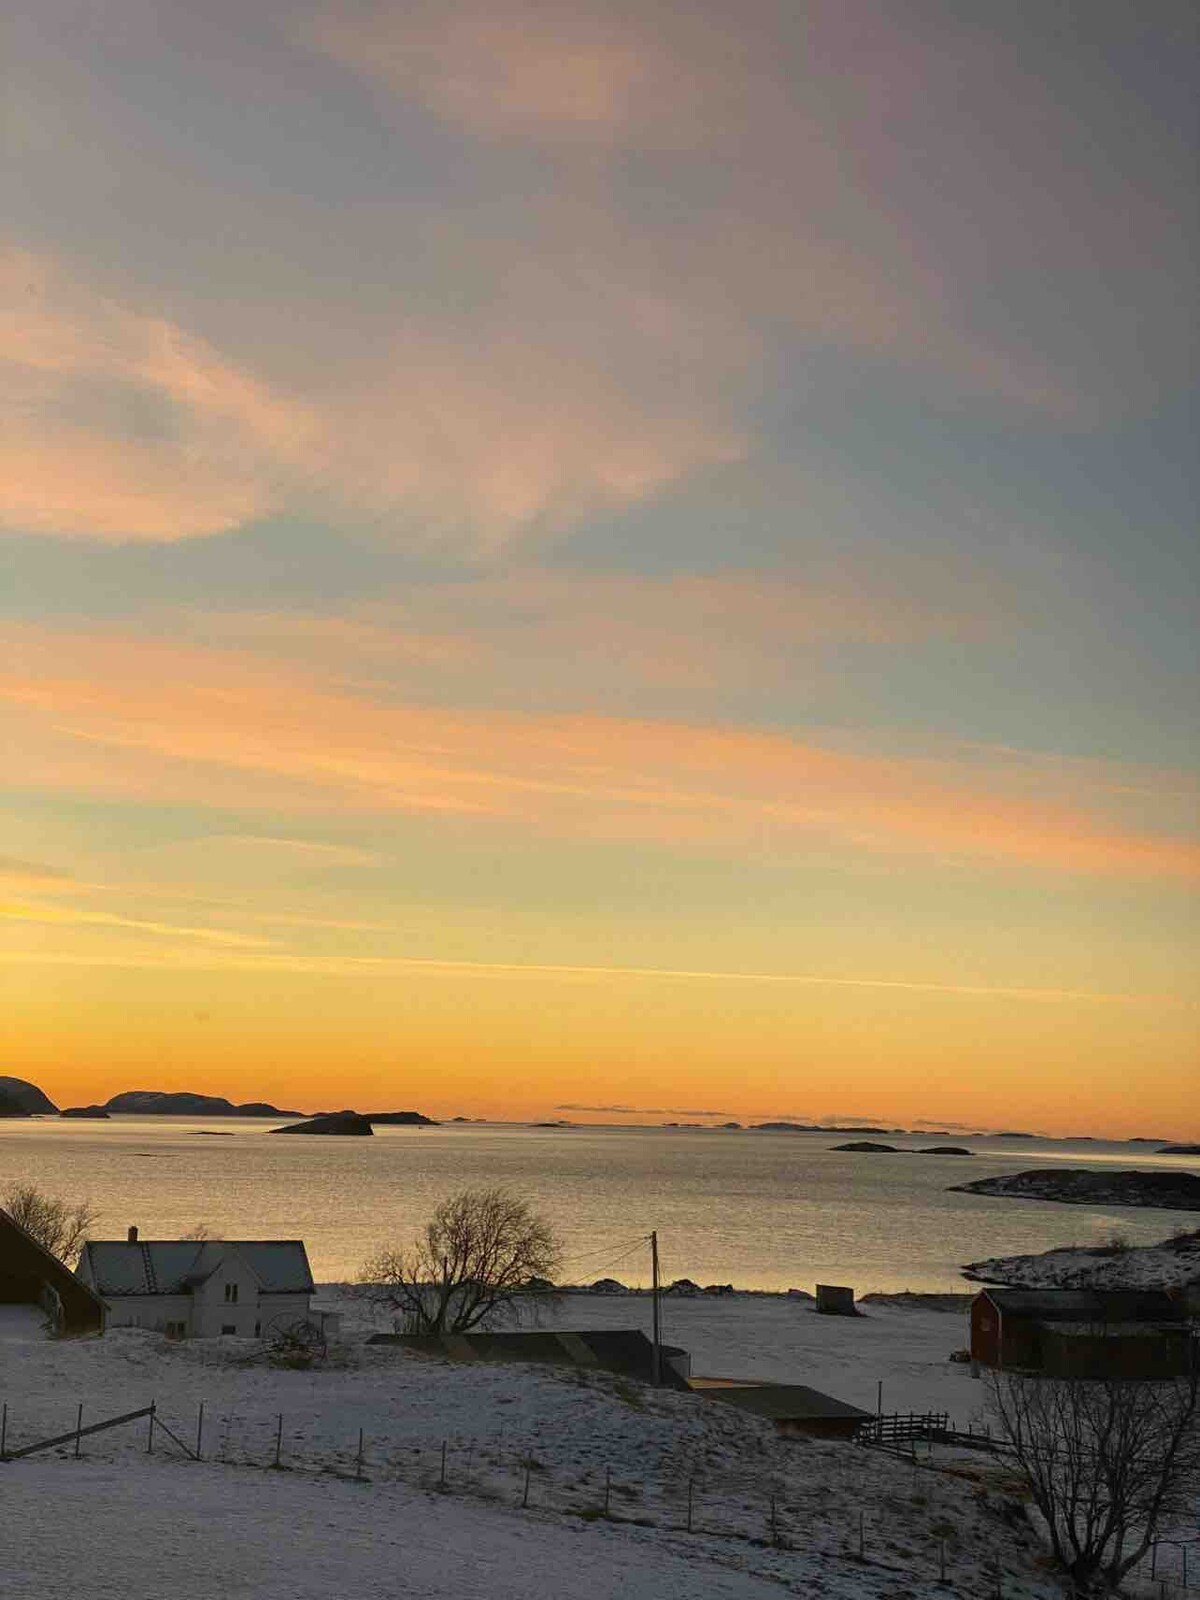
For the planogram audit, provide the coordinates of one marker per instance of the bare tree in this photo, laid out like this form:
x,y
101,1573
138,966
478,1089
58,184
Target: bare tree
x,y
57,1226
474,1260
1107,1462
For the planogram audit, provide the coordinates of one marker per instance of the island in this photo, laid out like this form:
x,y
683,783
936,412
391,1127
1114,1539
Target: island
x,y
1167,1191
184,1103
93,1113
27,1097
343,1123
1179,1150
12,1108
866,1147
945,1150
401,1119
1172,1264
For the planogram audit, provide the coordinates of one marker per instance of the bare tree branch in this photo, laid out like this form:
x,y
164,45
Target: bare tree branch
x,y
57,1226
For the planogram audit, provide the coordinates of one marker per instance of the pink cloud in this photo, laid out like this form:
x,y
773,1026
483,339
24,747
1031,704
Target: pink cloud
x,y
154,721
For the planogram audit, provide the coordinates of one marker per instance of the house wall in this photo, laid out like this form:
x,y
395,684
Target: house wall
x,y
285,1310
1149,1355
985,1331
227,1301
151,1311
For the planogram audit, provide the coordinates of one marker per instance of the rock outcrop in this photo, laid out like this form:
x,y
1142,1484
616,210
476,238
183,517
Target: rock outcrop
x,y
1168,1191
344,1123
31,1100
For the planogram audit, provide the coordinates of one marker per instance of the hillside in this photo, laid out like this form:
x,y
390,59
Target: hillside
x,y
1175,1263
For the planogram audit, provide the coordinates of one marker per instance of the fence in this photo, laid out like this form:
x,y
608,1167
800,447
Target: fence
x,y
747,1507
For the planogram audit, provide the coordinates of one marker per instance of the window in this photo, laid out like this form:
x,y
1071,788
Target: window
x,y
229,1327
231,1290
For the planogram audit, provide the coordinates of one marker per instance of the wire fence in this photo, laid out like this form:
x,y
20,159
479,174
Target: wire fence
x,y
751,1508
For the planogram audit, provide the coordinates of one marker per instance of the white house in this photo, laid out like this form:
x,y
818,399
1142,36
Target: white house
x,y
200,1288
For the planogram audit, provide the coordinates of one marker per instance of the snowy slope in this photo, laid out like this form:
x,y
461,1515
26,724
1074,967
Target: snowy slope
x,y
132,1520
1175,1263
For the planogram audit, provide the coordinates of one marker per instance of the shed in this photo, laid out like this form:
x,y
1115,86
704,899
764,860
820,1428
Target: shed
x,y
836,1300
794,1408
1083,1333
31,1276
626,1351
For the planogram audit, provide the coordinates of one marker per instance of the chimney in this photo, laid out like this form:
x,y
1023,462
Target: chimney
x,y
133,1235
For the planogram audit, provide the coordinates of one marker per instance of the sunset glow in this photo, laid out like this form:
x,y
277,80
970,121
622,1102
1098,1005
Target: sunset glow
x,y
603,561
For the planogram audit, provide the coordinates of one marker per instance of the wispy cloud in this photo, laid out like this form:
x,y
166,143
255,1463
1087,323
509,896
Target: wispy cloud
x,y
118,715
71,916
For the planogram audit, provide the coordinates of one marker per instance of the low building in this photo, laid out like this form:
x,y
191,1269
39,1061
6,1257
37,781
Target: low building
x,y
1083,1333
200,1288
31,1276
794,1408
625,1351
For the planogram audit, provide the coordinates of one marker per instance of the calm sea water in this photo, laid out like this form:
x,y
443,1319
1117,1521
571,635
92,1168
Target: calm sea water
x,y
759,1210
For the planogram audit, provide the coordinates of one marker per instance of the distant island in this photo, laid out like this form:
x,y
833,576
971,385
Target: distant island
x,y
184,1103
1179,1150
1168,1191
342,1123
93,1113
25,1099
867,1147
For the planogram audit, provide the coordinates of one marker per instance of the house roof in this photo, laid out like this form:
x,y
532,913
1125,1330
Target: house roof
x,y
24,1261
621,1350
176,1266
784,1402
1088,1305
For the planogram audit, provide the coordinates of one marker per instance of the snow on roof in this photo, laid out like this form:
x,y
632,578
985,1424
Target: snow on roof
x,y
176,1266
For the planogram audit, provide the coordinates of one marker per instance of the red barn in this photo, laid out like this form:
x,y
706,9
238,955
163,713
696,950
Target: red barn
x,y
1083,1333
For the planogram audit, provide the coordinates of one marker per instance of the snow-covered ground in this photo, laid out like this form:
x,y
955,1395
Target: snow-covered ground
x,y
903,1342
1175,1263
140,1525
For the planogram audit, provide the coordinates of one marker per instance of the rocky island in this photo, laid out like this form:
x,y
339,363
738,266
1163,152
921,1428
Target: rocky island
x,y
332,1122
1168,1191
184,1103
26,1099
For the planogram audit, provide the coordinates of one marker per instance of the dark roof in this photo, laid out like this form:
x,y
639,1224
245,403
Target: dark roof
x,y
28,1267
785,1402
622,1350
1088,1305
175,1266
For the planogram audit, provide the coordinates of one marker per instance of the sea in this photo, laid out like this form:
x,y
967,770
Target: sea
x,y
758,1210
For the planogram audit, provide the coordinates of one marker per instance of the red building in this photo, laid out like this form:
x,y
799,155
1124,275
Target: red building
x,y
1083,1333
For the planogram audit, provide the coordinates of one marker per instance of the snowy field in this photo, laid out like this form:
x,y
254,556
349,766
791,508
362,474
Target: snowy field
x,y
142,1525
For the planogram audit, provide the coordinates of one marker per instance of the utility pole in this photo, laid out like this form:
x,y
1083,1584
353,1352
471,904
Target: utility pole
x,y
654,1292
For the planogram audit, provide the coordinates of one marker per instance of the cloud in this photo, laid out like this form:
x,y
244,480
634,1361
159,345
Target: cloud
x,y
33,876
115,715
71,916
645,1111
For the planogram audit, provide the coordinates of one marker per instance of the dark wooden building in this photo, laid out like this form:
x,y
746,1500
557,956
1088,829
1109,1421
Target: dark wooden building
x,y
31,1276
794,1408
625,1351
1083,1333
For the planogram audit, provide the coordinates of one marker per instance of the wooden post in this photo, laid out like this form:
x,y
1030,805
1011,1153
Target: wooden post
x,y
525,1495
656,1309
200,1431
358,1464
442,1478
279,1439
862,1536
150,1432
1153,1562
607,1489
774,1524
942,1560
4,1431
691,1487
78,1428
879,1398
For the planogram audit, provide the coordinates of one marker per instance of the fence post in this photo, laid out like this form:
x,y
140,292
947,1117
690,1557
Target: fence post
x,y
1185,1578
691,1487
774,1524
4,1431
941,1560
279,1439
358,1464
150,1432
78,1428
525,1495
862,1536
607,1489
199,1431
442,1478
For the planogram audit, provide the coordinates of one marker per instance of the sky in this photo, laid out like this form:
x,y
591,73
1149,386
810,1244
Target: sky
x,y
604,556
